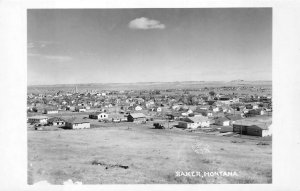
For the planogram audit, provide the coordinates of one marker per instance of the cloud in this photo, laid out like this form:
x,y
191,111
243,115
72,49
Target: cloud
x,y
40,44
40,49
58,58
145,23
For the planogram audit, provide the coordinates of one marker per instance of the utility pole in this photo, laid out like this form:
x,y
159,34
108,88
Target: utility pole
x,y
241,129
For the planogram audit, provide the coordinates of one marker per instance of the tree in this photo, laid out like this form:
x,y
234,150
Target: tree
x,y
184,100
195,100
212,93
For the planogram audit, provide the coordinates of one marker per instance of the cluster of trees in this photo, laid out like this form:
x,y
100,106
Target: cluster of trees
x,y
193,99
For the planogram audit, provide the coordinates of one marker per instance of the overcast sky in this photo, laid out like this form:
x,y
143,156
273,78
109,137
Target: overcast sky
x,y
148,45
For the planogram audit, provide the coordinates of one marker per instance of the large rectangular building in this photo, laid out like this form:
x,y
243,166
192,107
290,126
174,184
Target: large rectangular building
x,y
194,122
254,128
74,123
38,119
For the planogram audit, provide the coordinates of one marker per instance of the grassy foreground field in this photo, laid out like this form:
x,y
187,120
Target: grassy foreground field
x,y
152,156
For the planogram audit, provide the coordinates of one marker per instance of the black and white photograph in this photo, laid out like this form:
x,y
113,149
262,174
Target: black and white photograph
x,y
149,95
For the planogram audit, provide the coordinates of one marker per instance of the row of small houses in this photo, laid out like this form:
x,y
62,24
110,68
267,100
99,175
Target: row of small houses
x,y
187,112
71,123
238,124
74,123
213,105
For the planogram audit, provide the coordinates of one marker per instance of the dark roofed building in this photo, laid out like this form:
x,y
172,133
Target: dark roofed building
x,y
136,117
56,121
255,128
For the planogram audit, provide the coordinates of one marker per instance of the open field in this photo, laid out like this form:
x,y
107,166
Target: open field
x,y
152,156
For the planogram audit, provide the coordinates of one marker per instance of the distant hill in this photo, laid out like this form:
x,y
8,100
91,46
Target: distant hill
x,y
261,82
237,81
153,85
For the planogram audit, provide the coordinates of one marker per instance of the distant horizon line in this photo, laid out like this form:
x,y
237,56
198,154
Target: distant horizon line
x,y
225,81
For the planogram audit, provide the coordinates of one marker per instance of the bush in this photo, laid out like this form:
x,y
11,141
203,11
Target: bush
x,y
262,143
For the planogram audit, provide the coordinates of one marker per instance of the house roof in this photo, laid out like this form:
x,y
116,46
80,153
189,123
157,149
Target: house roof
x,y
38,117
233,117
175,114
204,107
75,120
195,119
51,109
221,119
55,119
116,116
137,115
257,124
98,113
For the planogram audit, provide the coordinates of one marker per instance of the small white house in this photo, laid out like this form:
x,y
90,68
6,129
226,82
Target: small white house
x,y
185,114
189,111
222,121
50,111
80,109
216,109
138,108
175,107
117,118
159,109
77,124
209,114
98,115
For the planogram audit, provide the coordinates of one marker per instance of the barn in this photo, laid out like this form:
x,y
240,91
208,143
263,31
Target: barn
x,y
254,128
136,117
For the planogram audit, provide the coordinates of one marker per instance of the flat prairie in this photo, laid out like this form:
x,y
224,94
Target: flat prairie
x,y
128,153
